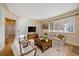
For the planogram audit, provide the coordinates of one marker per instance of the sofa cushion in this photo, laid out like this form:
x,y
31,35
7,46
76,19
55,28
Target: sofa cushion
x,y
26,49
60,36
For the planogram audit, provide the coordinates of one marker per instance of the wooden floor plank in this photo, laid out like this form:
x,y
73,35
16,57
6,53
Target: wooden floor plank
x,y
7,51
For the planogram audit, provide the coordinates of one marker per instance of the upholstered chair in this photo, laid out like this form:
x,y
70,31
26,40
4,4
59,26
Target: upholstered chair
x,y
20,50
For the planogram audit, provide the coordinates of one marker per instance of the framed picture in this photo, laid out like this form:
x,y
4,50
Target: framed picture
x,y
44,26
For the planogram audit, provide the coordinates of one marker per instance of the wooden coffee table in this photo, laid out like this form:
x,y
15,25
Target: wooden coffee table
x,y
42,44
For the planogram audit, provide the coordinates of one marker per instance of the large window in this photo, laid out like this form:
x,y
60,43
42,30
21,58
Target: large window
x,y
63,25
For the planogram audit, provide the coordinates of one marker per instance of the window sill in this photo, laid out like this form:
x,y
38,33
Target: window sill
x,y
65,32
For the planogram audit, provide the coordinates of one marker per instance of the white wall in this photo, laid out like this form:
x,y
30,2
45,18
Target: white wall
x,y
1,32
22,26
77,29
3,12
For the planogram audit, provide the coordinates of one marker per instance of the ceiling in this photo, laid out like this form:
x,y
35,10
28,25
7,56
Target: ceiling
x,y
40,10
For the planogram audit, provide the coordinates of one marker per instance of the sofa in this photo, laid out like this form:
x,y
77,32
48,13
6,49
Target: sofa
x,y
59,40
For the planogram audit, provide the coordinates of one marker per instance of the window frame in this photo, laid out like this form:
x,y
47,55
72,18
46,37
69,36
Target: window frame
x,y
62,31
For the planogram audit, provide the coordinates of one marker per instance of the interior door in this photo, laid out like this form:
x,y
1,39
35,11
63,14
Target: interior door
x,y
10,28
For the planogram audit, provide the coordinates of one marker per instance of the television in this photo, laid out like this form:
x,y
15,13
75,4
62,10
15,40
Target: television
x,y
31,29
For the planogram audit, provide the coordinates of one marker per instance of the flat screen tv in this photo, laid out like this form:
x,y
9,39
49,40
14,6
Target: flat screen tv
x,y
31,29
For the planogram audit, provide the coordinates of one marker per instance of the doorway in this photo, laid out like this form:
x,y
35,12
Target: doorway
x,y
10,29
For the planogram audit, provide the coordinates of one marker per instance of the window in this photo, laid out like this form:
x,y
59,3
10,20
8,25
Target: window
x,y
69,25
63,25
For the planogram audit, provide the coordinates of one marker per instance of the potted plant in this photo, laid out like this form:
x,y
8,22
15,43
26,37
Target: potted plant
x,y
45,37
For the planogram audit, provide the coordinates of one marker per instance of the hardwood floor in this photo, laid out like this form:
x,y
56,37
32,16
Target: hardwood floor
x,y
7,51
70,51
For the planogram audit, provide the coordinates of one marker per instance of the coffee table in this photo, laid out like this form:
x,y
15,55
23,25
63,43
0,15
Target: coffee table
x,y
43,44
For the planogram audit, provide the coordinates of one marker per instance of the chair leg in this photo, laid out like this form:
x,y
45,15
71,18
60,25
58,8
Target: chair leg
x,y
35,52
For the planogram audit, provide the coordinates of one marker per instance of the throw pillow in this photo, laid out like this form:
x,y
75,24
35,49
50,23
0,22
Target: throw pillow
x,y
61,36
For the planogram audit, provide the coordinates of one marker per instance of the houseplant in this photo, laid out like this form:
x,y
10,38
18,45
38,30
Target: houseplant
x,y
45,37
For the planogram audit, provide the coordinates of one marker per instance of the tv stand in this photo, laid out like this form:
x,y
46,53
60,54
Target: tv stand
x,y
32,36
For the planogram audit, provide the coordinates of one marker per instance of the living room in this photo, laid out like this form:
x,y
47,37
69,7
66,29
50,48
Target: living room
x,y
51,29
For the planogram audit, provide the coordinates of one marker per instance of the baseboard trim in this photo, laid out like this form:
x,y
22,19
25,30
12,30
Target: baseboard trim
x,y
73,44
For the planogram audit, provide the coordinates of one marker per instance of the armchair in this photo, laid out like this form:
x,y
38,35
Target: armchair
x,y
19,50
